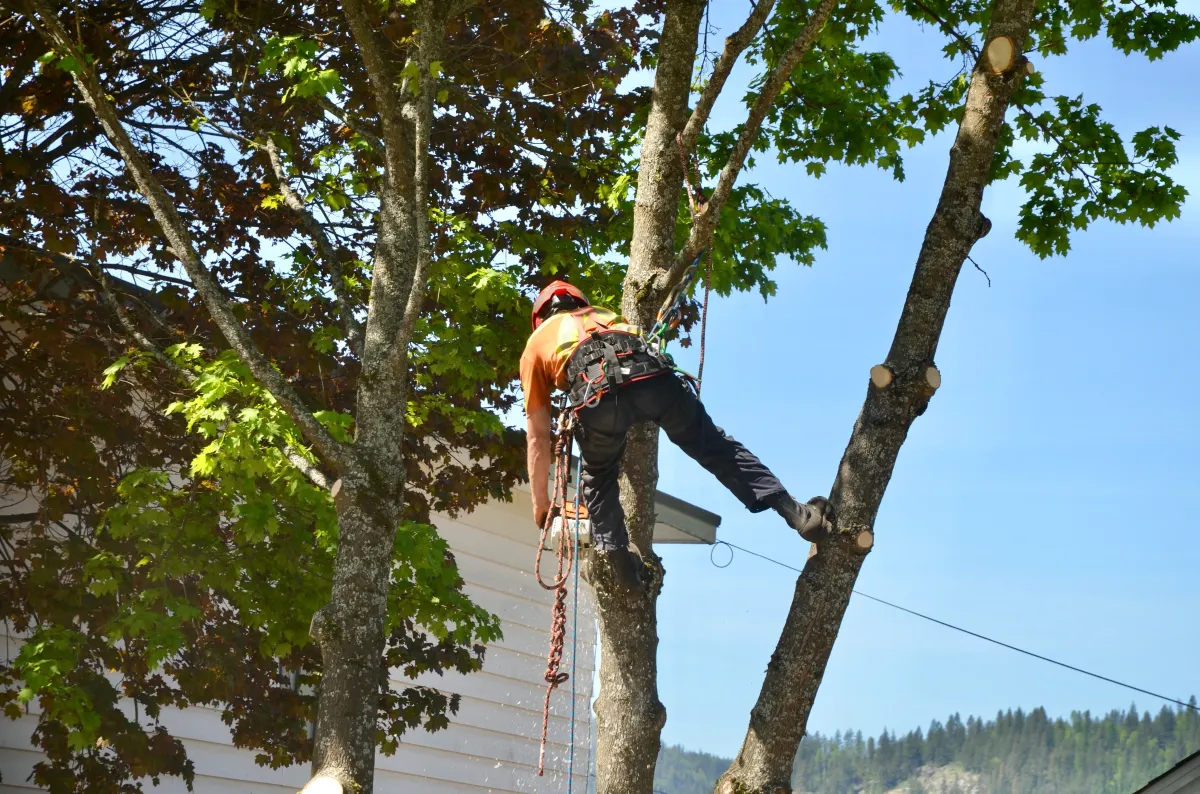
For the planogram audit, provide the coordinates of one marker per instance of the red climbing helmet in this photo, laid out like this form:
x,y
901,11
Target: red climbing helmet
x,y
552,297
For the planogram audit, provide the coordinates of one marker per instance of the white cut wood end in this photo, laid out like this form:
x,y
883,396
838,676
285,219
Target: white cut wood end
x,y
336,489
1029,67
1001,54
865,539
933,377
881,376
322,785
812,550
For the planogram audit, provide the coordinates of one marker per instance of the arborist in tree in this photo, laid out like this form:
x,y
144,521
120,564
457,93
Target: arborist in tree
x,y
615,380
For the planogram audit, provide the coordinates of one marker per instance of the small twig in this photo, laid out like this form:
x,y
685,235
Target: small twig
x,y
981,270
950,30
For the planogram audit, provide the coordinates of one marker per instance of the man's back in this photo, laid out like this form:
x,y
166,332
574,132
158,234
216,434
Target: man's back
x,y
544,362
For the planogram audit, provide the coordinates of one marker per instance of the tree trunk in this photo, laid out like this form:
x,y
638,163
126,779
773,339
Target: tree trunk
x,y
778,720
629,715
351,632
351,629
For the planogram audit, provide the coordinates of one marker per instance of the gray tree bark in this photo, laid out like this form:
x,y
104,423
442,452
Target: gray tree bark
x,y
778,720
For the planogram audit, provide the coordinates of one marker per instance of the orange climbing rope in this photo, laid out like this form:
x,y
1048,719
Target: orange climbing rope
x,y
565,552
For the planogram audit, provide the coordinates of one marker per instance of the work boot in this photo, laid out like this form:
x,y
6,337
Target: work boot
x,y
814,521
625,566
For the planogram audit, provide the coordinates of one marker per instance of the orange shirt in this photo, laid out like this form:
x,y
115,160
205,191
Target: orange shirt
x,y
544,362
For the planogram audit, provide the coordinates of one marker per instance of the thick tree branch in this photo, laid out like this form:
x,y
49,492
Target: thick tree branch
x,y
898,393
329,256
735,45
427,46
660,178
18,518
630,715
706,221
339,456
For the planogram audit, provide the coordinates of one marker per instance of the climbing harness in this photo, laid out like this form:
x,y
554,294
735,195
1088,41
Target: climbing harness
x,y
607,361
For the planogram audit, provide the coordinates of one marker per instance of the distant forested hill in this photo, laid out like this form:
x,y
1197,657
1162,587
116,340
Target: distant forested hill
x,y
1015,753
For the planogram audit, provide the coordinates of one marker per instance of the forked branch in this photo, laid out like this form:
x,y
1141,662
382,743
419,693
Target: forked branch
x,y
735,45
706,221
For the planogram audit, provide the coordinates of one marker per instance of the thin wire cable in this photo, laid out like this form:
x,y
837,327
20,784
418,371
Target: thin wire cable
x,y
574,621
961,629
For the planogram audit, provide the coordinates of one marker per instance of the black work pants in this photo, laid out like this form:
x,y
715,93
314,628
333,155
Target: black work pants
x,y
667,402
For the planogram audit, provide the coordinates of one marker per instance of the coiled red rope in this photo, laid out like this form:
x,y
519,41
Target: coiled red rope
x,y
565,553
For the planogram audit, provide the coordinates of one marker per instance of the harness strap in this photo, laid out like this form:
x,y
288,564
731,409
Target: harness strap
x,y
607,361
611,368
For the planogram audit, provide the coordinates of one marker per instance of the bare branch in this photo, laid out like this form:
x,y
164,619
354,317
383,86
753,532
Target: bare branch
x,y
133,331
329,256
339,455
734,46
137,271
706,221
17,518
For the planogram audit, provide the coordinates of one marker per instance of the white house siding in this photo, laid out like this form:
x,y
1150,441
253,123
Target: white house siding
x,y
491,744
1183,778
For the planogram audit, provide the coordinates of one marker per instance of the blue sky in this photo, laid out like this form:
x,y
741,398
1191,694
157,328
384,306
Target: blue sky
x,y
1045,498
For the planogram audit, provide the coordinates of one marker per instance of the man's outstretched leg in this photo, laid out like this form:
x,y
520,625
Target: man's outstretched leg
x,y
669,403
